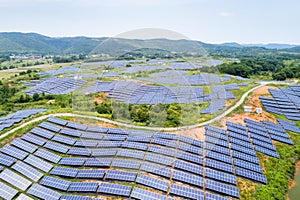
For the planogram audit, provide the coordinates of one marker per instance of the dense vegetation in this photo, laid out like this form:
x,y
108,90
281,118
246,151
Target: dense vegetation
x,y
276,69
279,172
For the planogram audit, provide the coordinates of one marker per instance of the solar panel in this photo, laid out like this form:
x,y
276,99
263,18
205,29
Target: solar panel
x,y
110,144
186,192
115,189
190,148
222,188
47,155
27,171
34,139
267,151
23,197
160,159
72,161
131,154
70,197
63,139
70,132
15,179
210,196
7,192
104,152
152,182
189,157
156,169
56,147
120,175
14,152
187,178
243,149
98,162
42,132
50,127
79,151
247,165
138,193
26,146
128,164
57,121
65,172
38,163
251,175
218,156
91,174
196,169
55,183
77,126
219,165
86,143
6,160
216,148
220,176
135,145
245,157
83,187
43,192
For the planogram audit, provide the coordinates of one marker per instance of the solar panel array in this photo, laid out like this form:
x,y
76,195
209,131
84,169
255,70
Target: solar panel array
x,y
15,118
56,86
285,101
199,169
152,162
136,93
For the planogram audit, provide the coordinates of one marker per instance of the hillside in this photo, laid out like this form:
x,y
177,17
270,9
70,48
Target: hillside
x,y
33,43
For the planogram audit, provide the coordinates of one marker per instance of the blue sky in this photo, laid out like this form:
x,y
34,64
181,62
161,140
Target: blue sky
x,y
214,21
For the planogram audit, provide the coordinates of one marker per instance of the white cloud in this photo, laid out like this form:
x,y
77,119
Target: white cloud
x,y
225,14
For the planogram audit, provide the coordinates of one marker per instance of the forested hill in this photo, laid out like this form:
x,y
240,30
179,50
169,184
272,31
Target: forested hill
x,y
33,43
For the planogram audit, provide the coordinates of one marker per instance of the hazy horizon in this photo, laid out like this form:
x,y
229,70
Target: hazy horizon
x,y
210,21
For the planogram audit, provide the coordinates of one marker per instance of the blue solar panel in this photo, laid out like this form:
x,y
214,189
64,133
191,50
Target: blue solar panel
x,y
70,132
245,157
55,183
86,143
222,188
52,157
104,152
38,163
218,156
156,169
220,176
43,192
91,174
89,187
251,175
190,157
22,144
219,165
98,162
186,192
14,152
50,127
187,178
141,194
120,175
63,139
57,121
56,147
7,192
247,165
42,132
34,139
65,172
72,161
185,166
6,160
160,159
114,189
131,153
152,182
79,151
27,171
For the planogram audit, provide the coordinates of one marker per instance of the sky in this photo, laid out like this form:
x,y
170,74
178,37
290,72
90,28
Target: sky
x,y
212,21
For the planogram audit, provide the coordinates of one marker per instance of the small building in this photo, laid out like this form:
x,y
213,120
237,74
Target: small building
x,y
248,109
